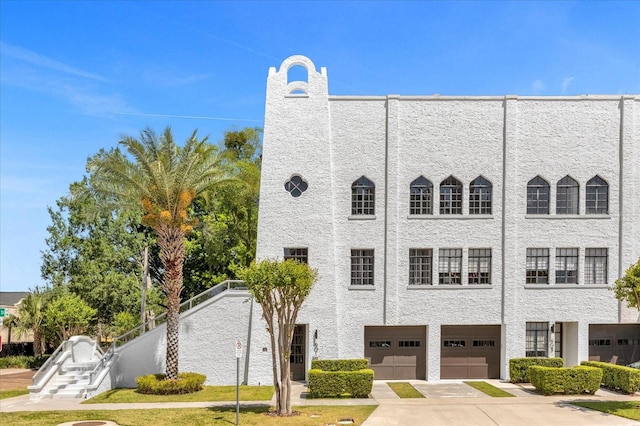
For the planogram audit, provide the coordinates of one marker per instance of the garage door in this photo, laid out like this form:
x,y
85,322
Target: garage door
x,y
619,343
470,352
396,352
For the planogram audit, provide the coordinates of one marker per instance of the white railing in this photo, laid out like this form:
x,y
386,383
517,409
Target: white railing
x,y
51,362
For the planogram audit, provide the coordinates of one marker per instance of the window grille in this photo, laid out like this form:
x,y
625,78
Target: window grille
x,y
363,197
298,254
479,266
420,266
567,197
362,267
595,268
566,266
597,196
480,196
537,266
450,196
538,196
421,196
450,266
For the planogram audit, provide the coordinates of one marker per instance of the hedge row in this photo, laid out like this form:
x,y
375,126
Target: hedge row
x,y
156,384
618,377
22,361
519,367
339,364
570,381
323,384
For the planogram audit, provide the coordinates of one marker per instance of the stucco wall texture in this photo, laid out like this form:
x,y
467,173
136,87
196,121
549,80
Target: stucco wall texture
x,y
331,141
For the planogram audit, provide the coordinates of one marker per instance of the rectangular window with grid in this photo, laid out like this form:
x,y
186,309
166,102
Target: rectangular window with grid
x,y
450,266
537,266
595,266
298,254
566,266
362,267
420,269
479,266
536,339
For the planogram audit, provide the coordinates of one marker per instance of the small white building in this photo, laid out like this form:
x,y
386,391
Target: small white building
x,y
452,233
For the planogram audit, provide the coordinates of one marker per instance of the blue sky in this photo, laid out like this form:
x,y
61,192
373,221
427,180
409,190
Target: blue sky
x,y
76,75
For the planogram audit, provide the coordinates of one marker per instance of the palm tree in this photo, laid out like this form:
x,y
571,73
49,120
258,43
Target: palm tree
x,y
32,318
10,322
160,179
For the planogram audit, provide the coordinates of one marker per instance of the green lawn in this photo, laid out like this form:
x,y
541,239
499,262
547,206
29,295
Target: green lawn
x,y
628,409
309,416
208,393
13,392
489,389
404,390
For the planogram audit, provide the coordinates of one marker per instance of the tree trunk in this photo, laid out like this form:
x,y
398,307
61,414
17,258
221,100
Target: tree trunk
x,y
37,343
171,242
143,288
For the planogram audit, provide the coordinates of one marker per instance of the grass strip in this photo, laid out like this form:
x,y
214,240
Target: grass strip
x,y
13,393
627,409
207,394
404,390
489,389
308,416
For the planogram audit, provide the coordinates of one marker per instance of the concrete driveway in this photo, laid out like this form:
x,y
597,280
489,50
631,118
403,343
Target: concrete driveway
x,y
454,403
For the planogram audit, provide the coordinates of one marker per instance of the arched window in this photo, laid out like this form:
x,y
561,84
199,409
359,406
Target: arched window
x,y
597,196
538,196
421,196
480,196
567,197
450,196
363,197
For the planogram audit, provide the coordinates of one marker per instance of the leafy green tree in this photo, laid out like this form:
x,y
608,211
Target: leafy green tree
x,y
97,253
31,313
280,288
225,240
68,315
162,179
627,288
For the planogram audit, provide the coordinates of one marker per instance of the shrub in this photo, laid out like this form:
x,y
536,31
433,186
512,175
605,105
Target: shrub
x,y
570,381
324,384
22,361
518,367
156,384
339,364
617,377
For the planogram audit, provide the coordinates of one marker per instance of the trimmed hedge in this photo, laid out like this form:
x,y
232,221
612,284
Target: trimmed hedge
x,y
156,384
339,364
323,384
570,381
617,377
518,367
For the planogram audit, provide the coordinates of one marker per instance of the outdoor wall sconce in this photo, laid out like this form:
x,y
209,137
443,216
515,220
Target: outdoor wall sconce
x,y
315,334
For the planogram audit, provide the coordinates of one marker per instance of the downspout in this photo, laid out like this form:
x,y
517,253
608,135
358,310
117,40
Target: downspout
x,y
621,195
504,206
386,207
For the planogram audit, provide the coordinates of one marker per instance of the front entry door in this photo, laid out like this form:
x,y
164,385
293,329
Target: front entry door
x,y
297,357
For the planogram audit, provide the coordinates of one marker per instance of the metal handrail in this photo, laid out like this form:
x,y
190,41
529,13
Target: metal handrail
x,y
50,362
184,306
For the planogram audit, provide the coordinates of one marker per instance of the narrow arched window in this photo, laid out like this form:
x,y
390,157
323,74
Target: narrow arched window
x,y
597,196
421,196
567,198
450,196
363,197
480,196
538,196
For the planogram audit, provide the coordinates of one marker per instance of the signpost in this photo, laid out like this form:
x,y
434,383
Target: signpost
x,y
2,312
238,356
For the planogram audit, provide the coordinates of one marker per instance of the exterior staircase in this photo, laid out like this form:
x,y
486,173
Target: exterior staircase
x,y
80,369
72,381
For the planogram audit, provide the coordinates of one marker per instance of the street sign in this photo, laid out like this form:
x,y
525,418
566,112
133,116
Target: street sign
x,y
2,310
238,348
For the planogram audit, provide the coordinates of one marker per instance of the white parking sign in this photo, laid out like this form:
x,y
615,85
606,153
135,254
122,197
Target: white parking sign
x,y
238,348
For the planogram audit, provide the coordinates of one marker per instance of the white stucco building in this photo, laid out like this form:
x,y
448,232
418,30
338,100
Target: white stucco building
x,y
452,233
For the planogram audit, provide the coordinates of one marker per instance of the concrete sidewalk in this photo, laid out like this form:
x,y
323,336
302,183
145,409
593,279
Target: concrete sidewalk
x,y
445,403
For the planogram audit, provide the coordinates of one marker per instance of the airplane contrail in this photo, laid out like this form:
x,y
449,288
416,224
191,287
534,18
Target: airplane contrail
x,y
195,117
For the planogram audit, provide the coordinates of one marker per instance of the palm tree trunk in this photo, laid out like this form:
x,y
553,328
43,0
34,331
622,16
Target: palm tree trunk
x,y
171,242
